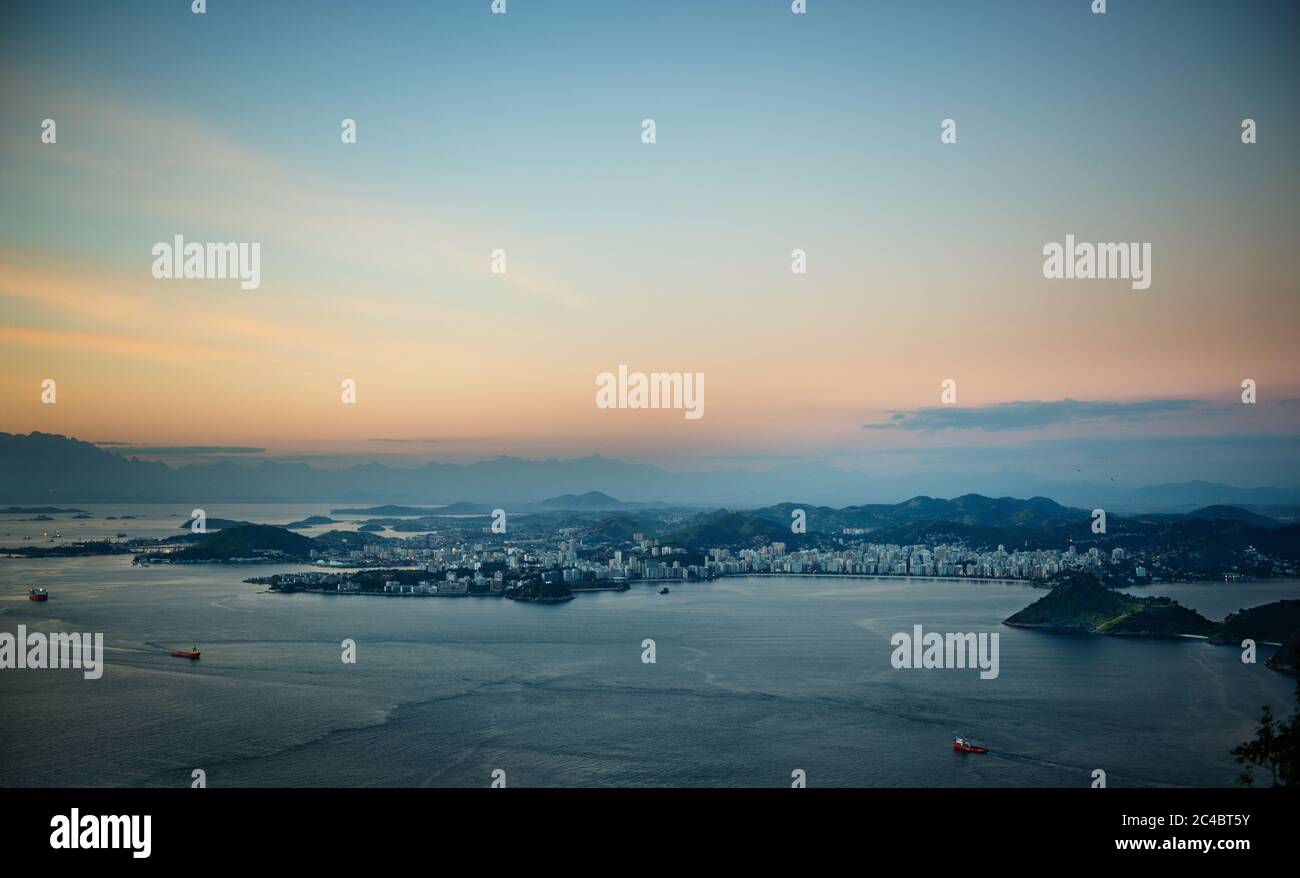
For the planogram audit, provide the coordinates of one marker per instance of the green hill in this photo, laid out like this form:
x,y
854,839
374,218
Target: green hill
x,y
346,539
1287,657
735,529
310,521
1158,617
616,529
1233,513
1078,602
248,541
1269,622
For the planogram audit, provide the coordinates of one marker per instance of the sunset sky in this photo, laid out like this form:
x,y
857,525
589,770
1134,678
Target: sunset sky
x,y
774,132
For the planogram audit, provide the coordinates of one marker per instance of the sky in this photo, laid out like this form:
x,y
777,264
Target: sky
x,y
774,131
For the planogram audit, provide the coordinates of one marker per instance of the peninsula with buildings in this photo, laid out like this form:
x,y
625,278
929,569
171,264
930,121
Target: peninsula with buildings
x,y
968,537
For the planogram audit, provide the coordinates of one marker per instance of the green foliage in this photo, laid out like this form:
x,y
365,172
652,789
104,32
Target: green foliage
x,y
247,540
1275,747
734,529
1271,622
1079,602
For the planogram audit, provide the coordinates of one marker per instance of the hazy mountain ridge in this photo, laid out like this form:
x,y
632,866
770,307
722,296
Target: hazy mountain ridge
x,y
44,468
987,522
596,500
968,509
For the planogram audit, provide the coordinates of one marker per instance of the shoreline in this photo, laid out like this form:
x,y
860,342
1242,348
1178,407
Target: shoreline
x,y
1028,582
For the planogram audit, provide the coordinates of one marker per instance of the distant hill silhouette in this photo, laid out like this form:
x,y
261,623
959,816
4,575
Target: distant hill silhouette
x,y
214,524
591,500
972,510
1191,495
42,468
986,522
1233,513
463,507
725,528
387,510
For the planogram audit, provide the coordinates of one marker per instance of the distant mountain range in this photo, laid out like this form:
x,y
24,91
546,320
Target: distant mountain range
x,y
987,522
1207,539
1182,496
46,468
597,500
594,501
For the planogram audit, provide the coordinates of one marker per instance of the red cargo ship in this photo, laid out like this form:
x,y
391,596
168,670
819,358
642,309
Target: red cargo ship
x,y
965,746
191,653
37,594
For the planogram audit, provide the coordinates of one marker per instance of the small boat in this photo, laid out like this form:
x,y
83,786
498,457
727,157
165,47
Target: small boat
x,y
964,745
191,653
37,594
663,590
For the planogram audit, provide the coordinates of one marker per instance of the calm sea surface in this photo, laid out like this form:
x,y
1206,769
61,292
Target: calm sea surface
x,y
754,678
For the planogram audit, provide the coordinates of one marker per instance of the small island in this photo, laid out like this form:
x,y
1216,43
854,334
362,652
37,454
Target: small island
x,y
32,510
213,524
1079,603
310,521
238,543
387,509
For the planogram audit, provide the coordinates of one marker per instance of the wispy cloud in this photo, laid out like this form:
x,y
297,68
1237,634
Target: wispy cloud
x,y
1033,415
180,450
405,441
187,158
111,127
